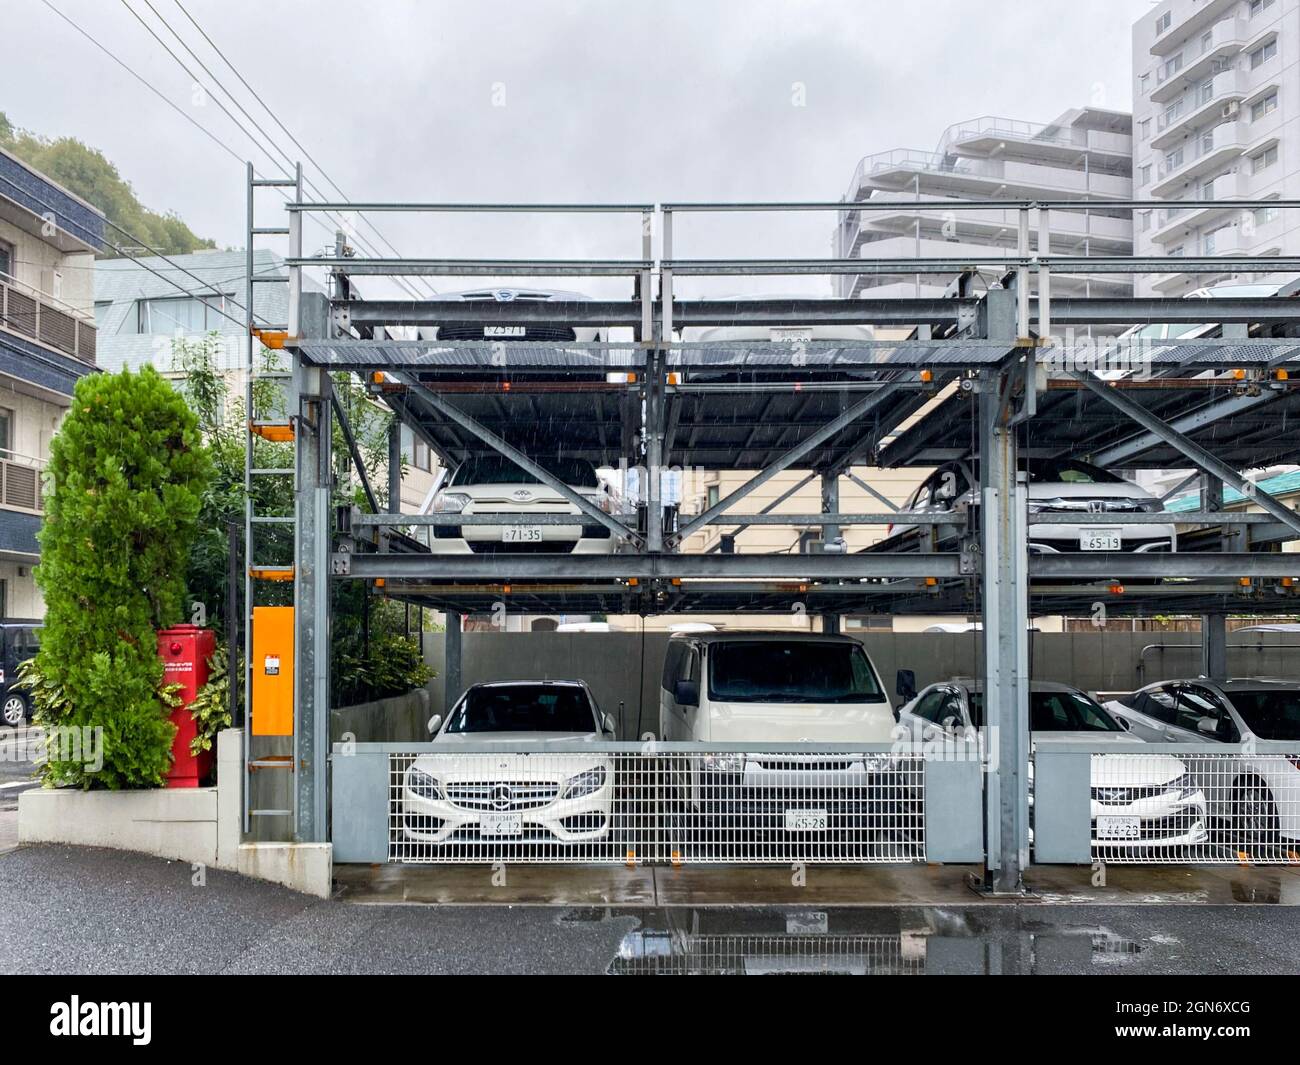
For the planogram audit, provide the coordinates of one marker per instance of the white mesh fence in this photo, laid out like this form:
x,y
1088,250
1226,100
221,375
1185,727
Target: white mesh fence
x,y
637,806
1180,808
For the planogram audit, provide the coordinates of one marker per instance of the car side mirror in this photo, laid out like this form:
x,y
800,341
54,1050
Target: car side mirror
x,y
435,723
607,723
1123,722
687,693
1208,725
905,684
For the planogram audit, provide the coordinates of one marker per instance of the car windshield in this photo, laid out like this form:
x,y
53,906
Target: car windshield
x,y
754,671
524,708
1270,713
1067,471
496,469
1055,712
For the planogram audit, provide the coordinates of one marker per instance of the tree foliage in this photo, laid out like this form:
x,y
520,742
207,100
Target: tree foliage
x,y
85,172
125,485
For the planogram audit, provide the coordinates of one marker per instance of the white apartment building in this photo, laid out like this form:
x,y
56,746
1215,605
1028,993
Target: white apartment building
x,y
1086,153
1216,117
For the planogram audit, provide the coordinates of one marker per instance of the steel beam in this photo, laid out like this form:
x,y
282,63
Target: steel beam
x,y
1228,407
354,452
642,567
1214,627
809,444
1198,455
422,396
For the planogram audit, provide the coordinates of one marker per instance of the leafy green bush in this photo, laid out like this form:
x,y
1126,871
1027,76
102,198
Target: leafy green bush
x,y
124,487
211,705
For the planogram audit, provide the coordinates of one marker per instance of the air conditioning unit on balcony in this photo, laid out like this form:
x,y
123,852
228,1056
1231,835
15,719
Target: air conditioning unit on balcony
x,y
1230,109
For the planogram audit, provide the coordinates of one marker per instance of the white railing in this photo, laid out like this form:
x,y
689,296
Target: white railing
x,y
38,316
631,804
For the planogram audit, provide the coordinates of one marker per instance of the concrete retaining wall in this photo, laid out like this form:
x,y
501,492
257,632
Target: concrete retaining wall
x,y
393,720
197,825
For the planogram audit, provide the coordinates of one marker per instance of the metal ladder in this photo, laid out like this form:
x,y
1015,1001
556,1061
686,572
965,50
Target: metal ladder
x,y
279,431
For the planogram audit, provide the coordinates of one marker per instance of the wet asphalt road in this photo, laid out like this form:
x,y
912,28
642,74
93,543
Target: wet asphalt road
x,y
15,777
73,910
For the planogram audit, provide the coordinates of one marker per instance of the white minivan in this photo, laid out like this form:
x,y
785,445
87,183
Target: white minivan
x,y
779,691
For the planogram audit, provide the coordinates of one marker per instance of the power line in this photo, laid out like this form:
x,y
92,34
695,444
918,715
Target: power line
x,y
275,118
217,82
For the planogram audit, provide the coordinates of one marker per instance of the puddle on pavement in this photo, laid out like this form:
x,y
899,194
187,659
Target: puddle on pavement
x,y
759,941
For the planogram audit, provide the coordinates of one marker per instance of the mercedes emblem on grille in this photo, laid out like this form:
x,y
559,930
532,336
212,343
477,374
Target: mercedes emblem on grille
x,y
502,797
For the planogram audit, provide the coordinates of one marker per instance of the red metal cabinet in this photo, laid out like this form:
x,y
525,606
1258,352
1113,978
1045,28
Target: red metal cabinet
x,y
185,650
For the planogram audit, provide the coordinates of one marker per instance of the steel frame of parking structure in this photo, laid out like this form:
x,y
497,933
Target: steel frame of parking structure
x,y
975,372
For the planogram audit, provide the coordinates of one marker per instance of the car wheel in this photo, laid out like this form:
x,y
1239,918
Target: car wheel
x,y
13,711
1255,820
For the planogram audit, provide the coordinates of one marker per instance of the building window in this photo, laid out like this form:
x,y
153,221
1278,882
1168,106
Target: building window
x,y
1262,107
421,458
7,259
1207,39
1264,215
1173,111
1144,83
1207,243
185,314
1173,65
1205,92
1144,174
1258,6
6,432
1175,251
1144,128
1263,160
1173,160
1263,54
1164,22
714,493
1145,217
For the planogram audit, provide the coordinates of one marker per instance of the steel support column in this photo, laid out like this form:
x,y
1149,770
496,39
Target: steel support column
x,y
1214,627
395,466
451,670
1005,587
312,433
830,533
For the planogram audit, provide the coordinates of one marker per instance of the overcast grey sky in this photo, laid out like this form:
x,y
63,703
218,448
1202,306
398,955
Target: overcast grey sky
x,y
560,101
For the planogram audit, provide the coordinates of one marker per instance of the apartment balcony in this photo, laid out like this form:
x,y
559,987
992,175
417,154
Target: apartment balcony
x,y
1190,19
1069,229
963,178
981,137
1223,101
1174,224
36,316
1210,151
1227,38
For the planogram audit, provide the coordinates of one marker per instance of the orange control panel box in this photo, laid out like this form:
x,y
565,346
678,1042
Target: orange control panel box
x,y
272,671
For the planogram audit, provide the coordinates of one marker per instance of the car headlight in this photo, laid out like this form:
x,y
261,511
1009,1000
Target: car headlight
x,y
722,763
423,784
450,502
585,783
1184,785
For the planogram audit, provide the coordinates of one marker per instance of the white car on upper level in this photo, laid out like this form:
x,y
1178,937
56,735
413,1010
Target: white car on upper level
x,y
492,484
703,365
1056,486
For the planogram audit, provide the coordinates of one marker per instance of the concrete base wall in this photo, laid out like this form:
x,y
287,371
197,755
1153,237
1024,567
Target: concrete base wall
x,y
398,719
624,669
197,825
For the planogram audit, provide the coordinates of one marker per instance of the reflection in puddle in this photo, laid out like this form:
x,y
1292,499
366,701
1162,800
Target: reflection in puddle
x,y
862,942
